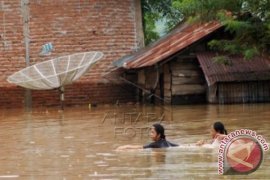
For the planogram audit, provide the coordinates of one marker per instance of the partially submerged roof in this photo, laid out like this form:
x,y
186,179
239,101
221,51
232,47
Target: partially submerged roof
x,y
177,40
238,70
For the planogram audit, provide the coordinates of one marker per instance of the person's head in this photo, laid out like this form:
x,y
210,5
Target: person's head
x,y
157,132
218,128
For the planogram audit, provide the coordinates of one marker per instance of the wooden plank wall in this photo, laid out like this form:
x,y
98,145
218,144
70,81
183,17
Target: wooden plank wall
x,y
147,80
187,78
212,94
181,79
167,78
244,92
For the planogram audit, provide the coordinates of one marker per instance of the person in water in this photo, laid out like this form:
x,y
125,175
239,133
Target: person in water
x,y
157,134
218,132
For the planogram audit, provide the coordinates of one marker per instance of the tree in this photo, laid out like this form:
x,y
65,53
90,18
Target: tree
x,y
154,10
247,20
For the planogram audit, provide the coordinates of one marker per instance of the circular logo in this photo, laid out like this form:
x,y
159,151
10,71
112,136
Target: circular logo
x,y
244,154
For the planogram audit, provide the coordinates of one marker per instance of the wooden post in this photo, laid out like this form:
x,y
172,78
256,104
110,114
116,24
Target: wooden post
x,y
141,83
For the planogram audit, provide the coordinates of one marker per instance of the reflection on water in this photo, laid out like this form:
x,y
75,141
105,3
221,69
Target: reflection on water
x,y
79,143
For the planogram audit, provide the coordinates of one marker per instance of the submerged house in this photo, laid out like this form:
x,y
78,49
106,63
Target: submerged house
x,y
241,81
179,69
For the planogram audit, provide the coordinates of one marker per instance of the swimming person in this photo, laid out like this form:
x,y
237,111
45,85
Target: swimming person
x,y
218,132
157,134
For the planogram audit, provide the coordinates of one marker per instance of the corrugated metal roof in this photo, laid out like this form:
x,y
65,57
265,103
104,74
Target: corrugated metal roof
x,y
180,38
238,70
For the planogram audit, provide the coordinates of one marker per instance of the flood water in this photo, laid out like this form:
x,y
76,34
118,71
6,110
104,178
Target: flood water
x,y
80,142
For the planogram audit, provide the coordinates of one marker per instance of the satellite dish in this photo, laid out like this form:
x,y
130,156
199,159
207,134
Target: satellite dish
x,y
55,73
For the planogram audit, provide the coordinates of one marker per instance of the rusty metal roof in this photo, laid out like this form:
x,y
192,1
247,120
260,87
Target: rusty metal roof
x,y
238,69
178,39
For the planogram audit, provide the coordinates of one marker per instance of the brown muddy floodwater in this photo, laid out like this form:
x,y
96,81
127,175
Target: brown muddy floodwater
x,y
79,143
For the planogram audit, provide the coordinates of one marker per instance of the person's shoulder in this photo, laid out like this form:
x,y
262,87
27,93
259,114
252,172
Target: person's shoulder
x,y
220,137
172,144
150,145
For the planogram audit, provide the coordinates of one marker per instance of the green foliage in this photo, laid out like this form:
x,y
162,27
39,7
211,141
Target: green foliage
x,y
222,60
227,46
247,20
154,10
149,28
250,53
205,10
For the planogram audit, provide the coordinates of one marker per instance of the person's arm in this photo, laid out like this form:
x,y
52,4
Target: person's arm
x,y
202,142
126,147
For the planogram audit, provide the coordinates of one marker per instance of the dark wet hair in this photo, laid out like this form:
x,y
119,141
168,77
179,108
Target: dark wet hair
x,y
160,130
219,127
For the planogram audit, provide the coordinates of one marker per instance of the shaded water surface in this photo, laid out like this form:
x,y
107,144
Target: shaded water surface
x,y
79,143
